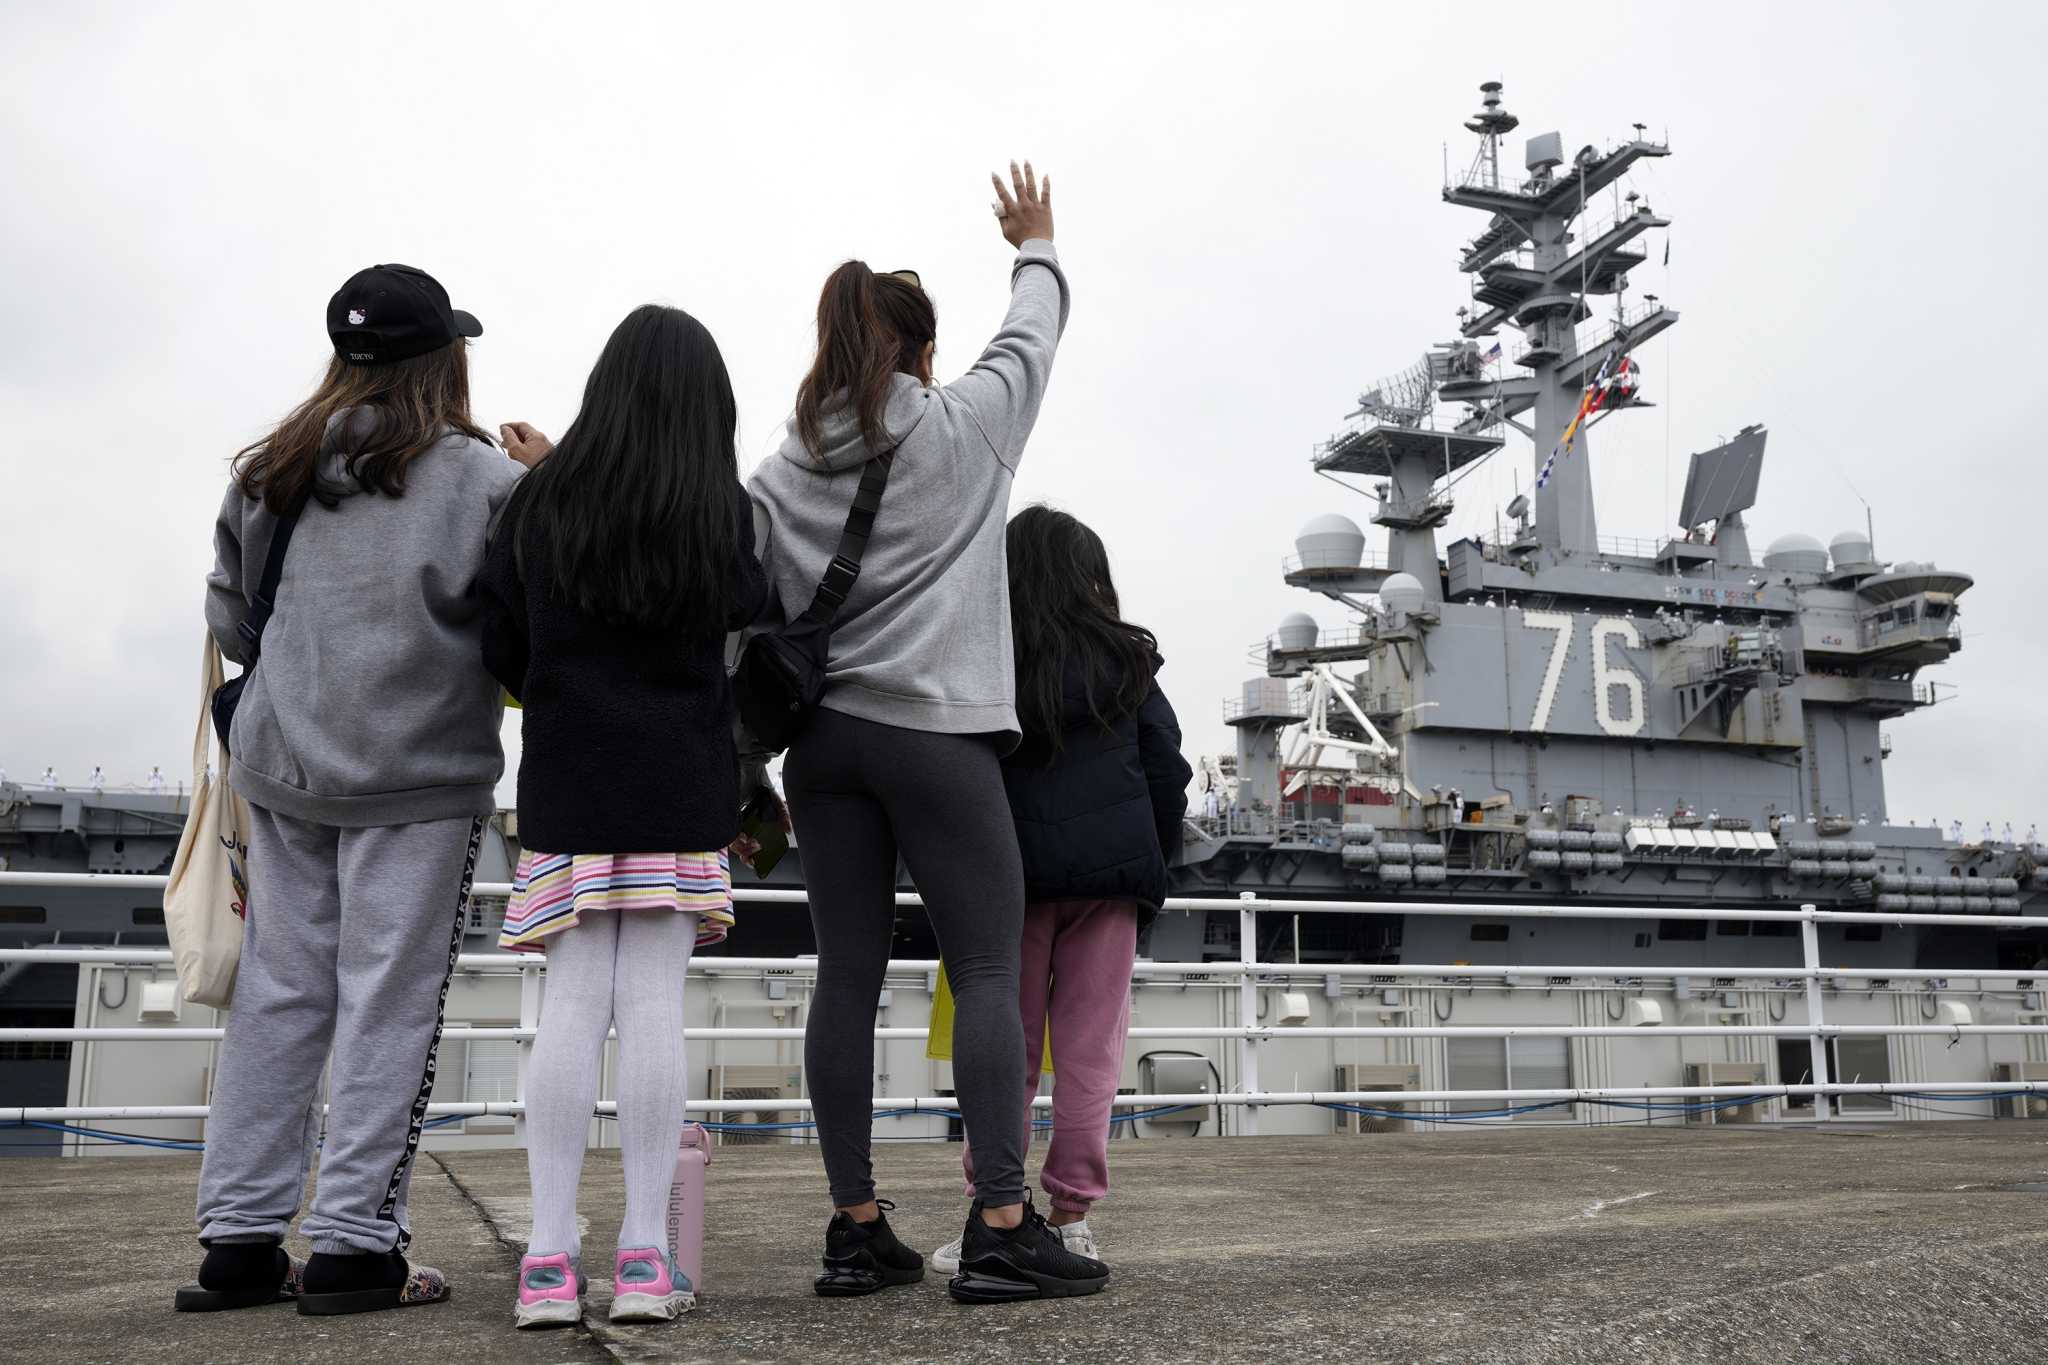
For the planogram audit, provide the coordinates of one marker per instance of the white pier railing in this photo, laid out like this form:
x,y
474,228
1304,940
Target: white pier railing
x,y
1247,973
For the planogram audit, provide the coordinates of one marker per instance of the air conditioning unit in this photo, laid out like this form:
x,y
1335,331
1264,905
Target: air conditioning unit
x,y
1376,1077
1179,1073
767,1084
1726,1073
2020,1106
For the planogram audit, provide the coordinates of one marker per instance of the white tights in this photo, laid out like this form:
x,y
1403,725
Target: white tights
x,y
625,968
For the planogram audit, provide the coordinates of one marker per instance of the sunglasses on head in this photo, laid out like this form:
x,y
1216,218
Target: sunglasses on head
x,y
909,277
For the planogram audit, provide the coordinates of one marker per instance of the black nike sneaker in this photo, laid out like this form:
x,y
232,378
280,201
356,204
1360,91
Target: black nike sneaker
x,y
861,1258
1028,1261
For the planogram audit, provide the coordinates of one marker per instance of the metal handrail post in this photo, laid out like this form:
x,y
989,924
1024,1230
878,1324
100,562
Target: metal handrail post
x,y
529,1019
1247,1014
1816,1020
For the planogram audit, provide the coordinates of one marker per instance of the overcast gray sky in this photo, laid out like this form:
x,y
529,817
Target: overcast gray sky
x,y
1247,205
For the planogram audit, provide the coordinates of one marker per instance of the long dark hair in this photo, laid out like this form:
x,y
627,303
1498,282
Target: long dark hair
x,y
870,328
635,506
1064,613
413,403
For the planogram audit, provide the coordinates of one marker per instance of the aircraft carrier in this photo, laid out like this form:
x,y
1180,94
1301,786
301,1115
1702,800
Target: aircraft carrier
x,y
1547,714
1540,717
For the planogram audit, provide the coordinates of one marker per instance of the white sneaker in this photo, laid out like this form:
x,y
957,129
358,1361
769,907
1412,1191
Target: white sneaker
x,y
1078,1238
946,1260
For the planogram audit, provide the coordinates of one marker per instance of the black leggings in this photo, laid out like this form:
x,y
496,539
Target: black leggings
x,y
858,793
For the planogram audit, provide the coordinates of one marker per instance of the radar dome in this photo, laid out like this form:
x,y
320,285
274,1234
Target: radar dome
x,y
1797,552
1330,541
1401,592
1298,631
1851,549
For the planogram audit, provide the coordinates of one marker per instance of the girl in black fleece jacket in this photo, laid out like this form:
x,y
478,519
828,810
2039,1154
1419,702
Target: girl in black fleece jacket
x,y
623,561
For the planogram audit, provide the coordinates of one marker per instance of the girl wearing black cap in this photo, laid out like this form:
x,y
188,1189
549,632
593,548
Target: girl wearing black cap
x,y
366,744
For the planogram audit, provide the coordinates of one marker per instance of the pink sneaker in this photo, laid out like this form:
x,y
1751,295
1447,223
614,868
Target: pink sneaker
x,y
550,1291
647,1287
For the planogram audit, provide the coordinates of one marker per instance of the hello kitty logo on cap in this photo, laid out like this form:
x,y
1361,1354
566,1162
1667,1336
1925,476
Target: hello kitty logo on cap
x,y
412,315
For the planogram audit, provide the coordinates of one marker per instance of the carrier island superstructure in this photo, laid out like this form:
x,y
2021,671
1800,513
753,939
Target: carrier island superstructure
x,y
1546,713
1539,717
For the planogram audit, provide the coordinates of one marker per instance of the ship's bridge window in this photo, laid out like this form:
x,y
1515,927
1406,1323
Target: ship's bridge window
x,y
1682,930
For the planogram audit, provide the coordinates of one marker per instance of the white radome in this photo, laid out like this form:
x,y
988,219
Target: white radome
x,y
1330,541
1401,592
1298,630
1797,552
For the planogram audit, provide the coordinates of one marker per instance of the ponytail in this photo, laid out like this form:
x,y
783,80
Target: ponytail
x,y
870,328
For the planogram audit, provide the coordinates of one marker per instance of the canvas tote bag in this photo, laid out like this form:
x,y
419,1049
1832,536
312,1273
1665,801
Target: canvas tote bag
x,y
206,897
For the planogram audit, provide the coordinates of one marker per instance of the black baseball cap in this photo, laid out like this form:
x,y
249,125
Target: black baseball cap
x,y
394,312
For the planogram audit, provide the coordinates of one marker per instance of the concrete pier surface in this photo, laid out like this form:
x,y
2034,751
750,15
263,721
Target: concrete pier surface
x,y
1874,1242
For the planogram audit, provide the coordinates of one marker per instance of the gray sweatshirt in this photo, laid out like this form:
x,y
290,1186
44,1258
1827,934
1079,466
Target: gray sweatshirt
x,y
923,643
371,705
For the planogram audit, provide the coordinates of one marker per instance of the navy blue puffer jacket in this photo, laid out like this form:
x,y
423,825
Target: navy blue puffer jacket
x,y
1102,819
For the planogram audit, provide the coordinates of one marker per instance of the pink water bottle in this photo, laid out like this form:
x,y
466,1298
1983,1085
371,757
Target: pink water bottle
x,y
686,1204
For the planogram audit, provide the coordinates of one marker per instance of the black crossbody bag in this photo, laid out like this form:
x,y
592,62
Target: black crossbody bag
x,y
228,695
781,673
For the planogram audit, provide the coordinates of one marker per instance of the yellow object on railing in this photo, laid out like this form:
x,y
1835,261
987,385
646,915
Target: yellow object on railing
x,y
938,1043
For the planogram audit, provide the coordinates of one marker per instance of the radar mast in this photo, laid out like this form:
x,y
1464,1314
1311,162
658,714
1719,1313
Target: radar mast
x,y
1527,275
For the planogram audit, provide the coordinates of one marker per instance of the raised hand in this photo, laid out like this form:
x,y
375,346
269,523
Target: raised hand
x,y
525,443
1024,207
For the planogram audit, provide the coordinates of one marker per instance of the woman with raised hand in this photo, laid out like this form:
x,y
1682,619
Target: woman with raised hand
x,y
904,754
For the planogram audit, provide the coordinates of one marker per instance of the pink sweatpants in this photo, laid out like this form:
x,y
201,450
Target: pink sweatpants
x,y
1076,970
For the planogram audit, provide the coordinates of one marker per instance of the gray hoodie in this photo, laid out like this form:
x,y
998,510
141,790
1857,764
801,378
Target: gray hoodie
x,y
923,643
371,705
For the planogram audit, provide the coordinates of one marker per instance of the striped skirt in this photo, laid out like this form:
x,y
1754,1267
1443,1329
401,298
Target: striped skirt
x,y
552,891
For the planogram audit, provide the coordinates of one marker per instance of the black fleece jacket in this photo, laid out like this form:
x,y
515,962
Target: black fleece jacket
x,y
1099,820
627,740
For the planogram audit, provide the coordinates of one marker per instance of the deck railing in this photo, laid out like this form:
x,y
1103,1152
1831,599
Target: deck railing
x,y
1247,973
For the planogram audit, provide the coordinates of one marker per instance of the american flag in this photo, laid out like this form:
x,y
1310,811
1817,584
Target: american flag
x,y
1493,354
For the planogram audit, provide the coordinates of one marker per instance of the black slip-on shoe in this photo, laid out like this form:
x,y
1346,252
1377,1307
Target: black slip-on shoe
x,y
861,1258
241,1275
1029,1261
367,1282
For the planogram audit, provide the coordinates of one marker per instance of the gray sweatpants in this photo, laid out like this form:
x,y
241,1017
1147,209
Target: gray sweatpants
x,y
350,940
860,793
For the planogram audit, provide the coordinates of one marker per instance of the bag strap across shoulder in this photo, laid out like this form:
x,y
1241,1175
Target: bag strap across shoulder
x,y
844,570
265,601
209,683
